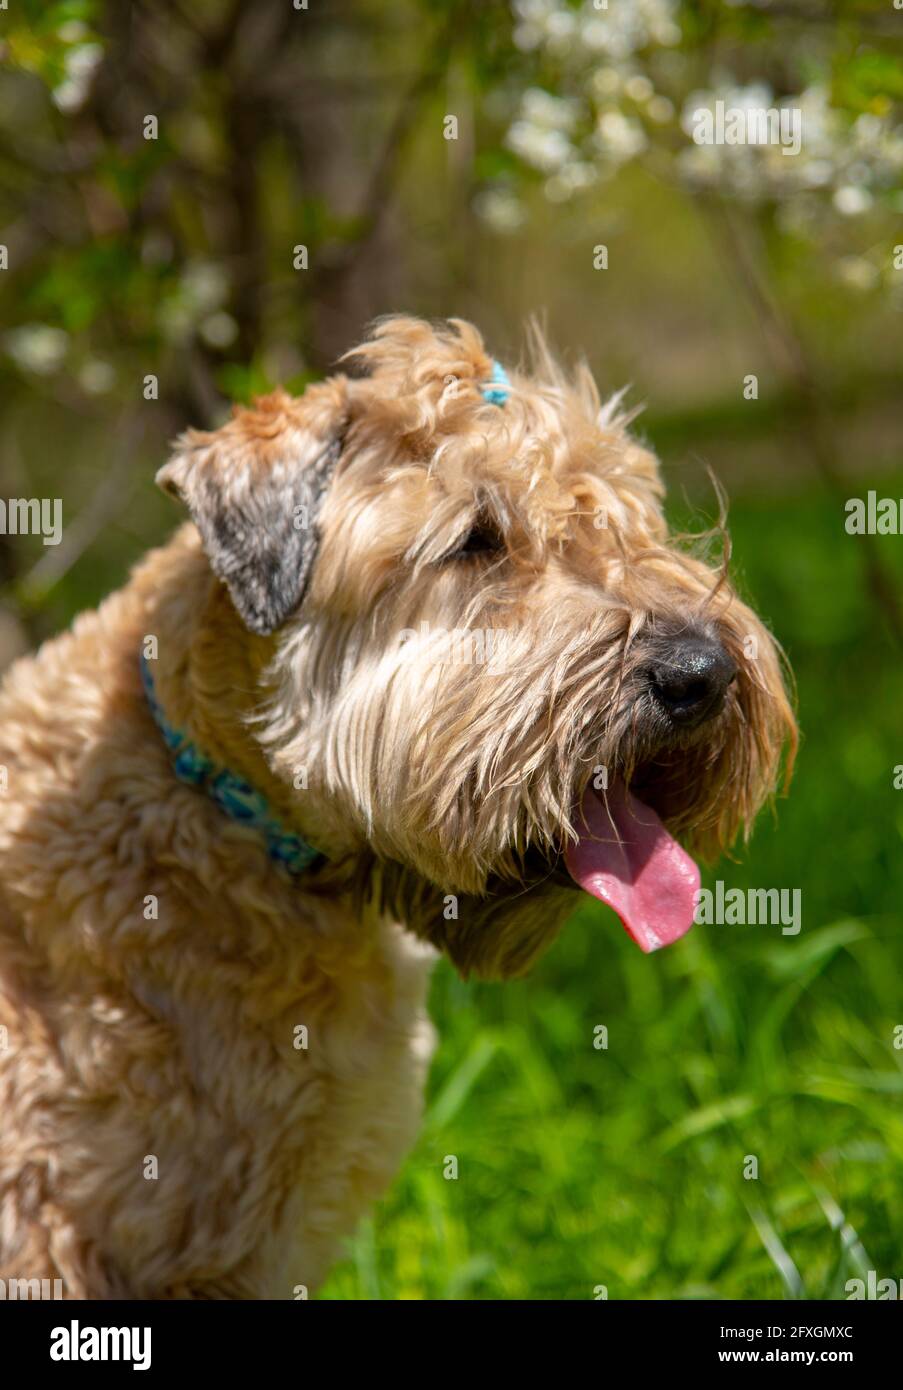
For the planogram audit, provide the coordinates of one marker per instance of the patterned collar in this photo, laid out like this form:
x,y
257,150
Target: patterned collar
x,y
232,794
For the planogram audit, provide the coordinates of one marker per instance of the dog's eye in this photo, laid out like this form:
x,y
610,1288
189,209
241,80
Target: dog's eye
x,y
481,539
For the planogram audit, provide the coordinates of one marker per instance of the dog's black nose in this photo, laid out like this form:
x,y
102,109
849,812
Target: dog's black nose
x,y
690,681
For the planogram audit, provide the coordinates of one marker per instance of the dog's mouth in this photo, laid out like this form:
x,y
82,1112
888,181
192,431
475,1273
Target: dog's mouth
x,y
625,857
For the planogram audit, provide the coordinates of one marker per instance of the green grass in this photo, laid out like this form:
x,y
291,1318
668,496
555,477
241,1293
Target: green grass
x,y
624,1166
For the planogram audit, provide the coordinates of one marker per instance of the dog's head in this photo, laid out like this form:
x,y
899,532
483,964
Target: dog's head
x,y
500,677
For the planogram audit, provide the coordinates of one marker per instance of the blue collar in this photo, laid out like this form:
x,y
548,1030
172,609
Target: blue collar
x,y
497,392
232,794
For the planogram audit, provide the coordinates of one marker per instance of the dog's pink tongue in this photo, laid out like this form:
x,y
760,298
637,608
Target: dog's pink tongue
x,y
626,858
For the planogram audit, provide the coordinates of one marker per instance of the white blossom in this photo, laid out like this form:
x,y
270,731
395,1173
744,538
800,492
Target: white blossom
x,y
500,209
37,347
81,62
851,161
625,27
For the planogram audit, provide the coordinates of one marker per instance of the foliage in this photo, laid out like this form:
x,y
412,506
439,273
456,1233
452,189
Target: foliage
x,y
612,84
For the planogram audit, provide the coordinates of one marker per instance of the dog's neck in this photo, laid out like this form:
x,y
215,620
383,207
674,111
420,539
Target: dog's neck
x,y
208,676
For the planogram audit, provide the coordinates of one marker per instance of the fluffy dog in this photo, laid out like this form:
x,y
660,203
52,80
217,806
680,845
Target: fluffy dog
x,y
422,667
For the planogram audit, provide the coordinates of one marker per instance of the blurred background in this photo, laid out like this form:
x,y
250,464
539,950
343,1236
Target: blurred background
x,y
161,165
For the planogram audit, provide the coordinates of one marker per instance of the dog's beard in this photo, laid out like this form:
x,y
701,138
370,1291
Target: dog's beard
x,y
495,935
623,856
618,838
467,784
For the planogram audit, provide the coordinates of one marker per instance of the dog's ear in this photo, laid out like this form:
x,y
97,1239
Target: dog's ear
x,y
254,489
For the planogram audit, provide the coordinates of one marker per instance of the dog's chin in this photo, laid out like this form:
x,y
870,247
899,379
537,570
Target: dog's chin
x,y
630,855
501,932
496,935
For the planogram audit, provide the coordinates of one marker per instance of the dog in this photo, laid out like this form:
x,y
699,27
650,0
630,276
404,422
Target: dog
x,y
250,798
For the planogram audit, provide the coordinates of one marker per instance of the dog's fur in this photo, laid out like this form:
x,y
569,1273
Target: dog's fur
x,y
162,1133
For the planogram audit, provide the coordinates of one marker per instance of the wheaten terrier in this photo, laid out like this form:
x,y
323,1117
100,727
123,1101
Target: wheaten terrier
x,y
423,666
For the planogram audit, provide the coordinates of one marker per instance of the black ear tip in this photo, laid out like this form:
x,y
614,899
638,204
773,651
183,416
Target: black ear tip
x,y
259,624
265,596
